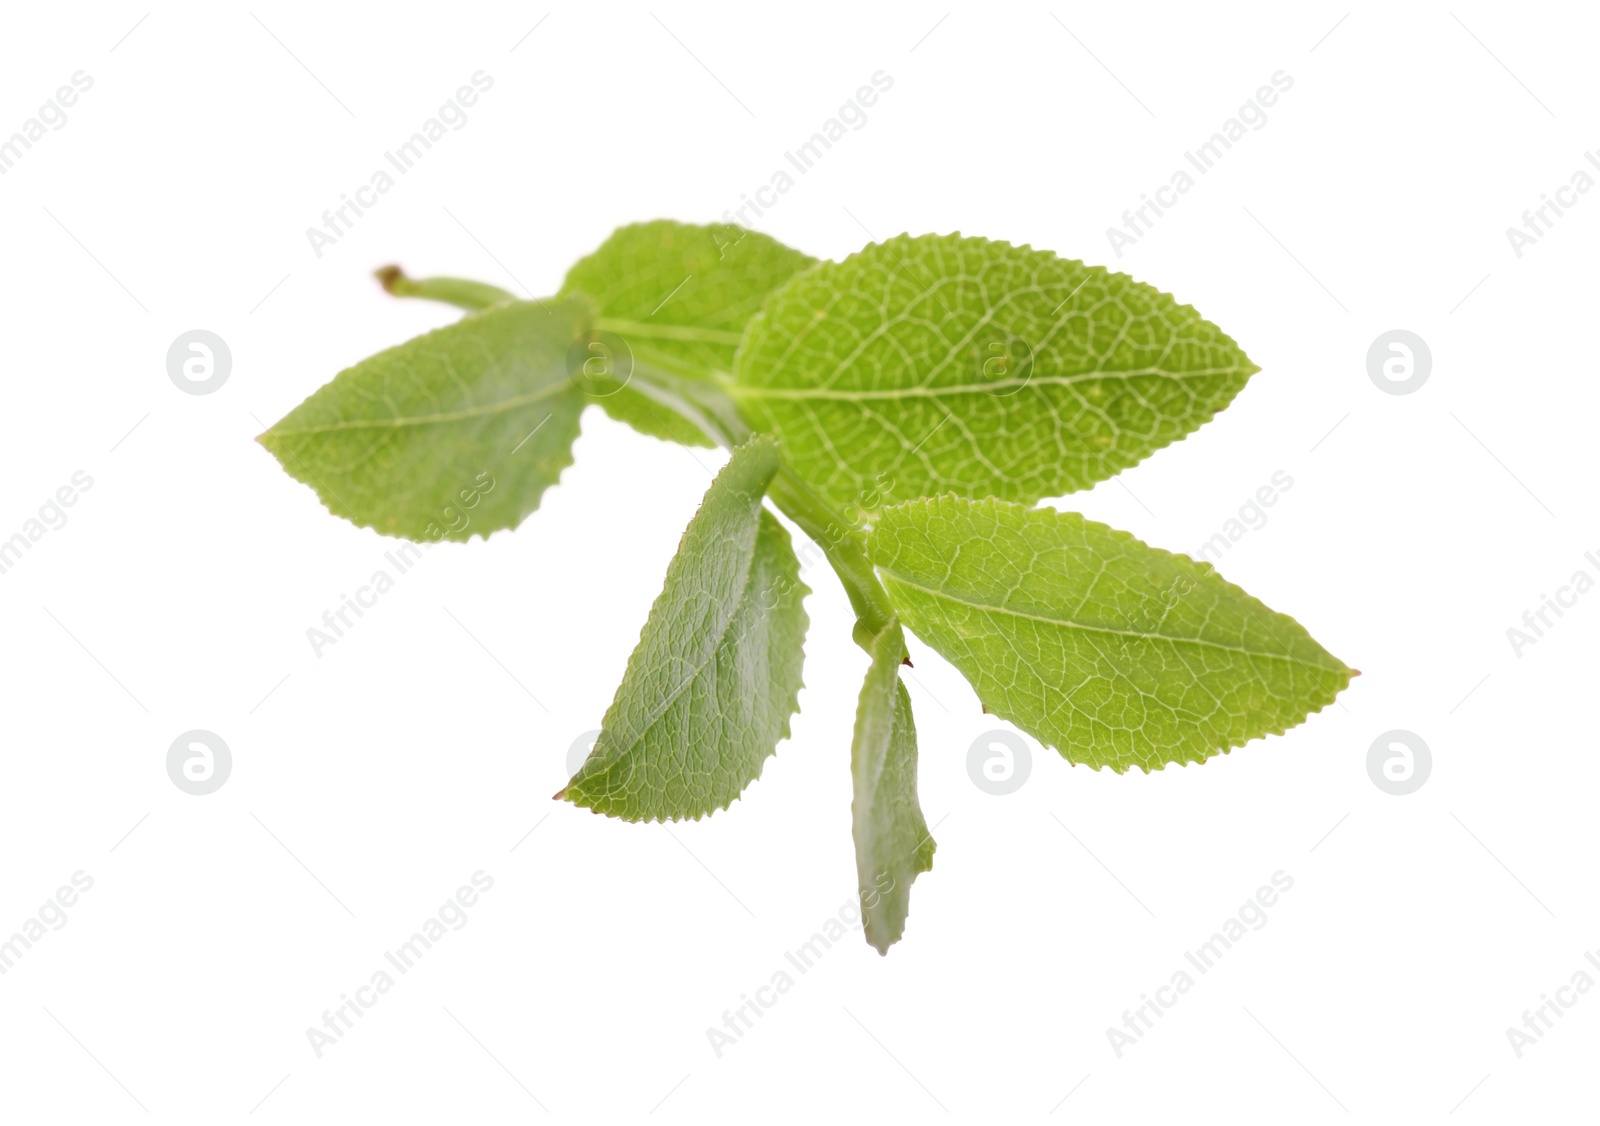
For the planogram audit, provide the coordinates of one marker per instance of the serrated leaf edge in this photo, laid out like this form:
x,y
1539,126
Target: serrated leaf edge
x,y
758,322
1129,537
802,592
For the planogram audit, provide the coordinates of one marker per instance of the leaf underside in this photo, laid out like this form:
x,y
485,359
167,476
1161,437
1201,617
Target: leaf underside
x,y
717,673
685,293
1114,652
893,845
935,364
452,434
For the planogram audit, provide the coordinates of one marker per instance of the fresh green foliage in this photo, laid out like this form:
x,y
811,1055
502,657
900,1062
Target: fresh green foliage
x,y
710,689
452,434
903,408
1114,652
674,300
946,364
893,845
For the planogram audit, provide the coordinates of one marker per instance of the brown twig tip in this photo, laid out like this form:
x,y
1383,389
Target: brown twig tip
x,y
389,277
906,661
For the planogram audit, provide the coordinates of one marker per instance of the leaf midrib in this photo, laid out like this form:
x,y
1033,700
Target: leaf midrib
x,y
875,394
711,655
692,334
1066,624
426,419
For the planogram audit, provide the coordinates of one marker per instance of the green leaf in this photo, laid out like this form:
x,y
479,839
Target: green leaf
x,y
893,844
452,434
1114,652
948,364
674,299
716,676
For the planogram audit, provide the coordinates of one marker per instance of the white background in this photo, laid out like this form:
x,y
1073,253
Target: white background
x,y
423,747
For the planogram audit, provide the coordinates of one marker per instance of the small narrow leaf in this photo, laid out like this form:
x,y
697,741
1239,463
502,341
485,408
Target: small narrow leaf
x,y
452,434
1114,652
716,675
674,299
948,364
893,845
